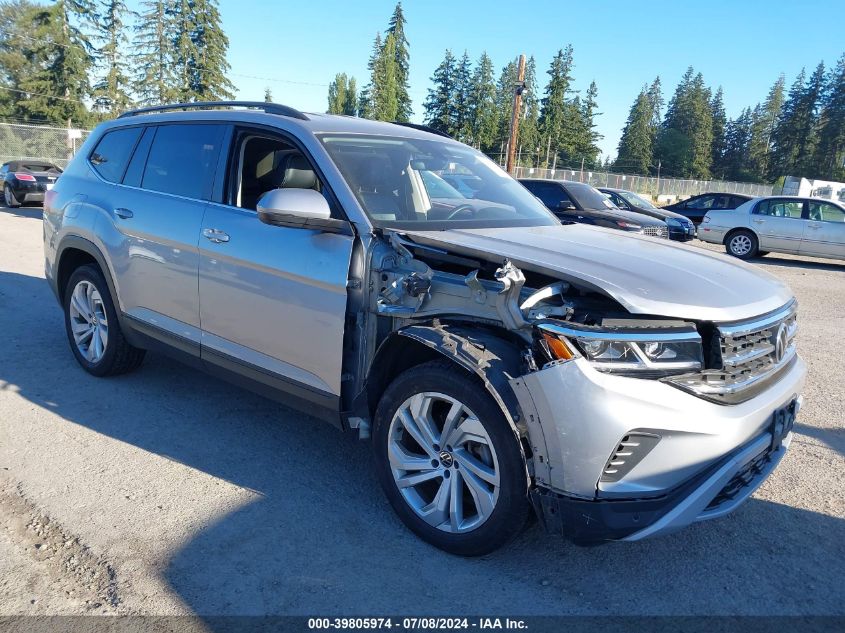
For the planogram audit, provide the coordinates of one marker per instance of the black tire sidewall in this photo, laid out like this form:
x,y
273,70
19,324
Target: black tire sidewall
x,y
93,275
754,245
15,203
512,507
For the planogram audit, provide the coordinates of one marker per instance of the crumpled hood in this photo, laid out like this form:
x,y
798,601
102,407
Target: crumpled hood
x,y
645,275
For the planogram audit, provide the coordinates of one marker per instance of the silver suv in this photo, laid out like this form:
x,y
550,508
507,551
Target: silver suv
x,y
398,283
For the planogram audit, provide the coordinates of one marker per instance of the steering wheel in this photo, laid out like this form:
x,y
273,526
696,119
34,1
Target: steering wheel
x,y
460,208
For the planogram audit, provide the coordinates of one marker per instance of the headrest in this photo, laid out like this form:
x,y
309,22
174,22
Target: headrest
x,y
297,173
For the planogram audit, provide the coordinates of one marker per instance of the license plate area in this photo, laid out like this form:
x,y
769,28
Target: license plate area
x,y
783,420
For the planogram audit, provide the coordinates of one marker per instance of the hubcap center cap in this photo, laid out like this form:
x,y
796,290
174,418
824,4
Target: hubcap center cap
x,y
446,459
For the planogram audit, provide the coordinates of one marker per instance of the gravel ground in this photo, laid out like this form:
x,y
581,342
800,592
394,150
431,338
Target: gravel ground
x,y
169,492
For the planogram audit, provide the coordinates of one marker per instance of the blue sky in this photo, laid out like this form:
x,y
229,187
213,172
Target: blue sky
x,y
296,48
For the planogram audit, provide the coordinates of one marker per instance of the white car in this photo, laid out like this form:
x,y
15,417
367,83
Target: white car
x,y
783,224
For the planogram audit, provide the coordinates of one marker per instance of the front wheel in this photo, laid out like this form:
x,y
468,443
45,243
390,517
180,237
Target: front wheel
x,y
742,244
9,197
449,462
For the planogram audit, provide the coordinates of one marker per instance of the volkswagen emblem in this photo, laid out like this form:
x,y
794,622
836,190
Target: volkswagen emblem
x,y
780,343
446,459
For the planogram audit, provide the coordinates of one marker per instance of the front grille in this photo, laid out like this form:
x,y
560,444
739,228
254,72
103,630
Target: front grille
x,y
655,231
751,354
741,480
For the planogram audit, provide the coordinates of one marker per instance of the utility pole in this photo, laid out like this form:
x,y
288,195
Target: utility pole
x,y
519,88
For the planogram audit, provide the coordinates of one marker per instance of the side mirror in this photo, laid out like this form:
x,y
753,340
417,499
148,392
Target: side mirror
x,y
566,206
299,209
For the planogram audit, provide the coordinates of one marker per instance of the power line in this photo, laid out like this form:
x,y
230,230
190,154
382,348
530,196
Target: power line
x,y
38,94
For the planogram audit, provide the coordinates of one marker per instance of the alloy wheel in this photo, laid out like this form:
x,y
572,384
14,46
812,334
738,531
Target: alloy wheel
x,y
740,244
88,321
443,462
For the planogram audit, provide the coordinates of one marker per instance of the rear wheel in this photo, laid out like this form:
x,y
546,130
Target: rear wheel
x,y
449,462
742,244
9,197
92,327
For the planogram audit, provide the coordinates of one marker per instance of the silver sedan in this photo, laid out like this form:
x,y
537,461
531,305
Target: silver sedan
x,y
783,224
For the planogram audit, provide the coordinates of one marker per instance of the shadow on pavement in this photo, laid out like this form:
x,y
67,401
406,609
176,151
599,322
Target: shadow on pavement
x,y
807,263
24,212
321,539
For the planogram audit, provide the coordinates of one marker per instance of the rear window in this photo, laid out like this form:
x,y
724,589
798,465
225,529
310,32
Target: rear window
x,y
110,157
183,159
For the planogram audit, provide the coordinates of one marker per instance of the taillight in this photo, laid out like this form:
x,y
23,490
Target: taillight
x,y
24,177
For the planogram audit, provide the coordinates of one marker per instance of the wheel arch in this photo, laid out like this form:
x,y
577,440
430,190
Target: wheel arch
x,y
493,355
736,230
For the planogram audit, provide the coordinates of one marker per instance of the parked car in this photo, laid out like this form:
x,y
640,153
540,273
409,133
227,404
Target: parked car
x,y
501,363
577,202
784,224
680,227
696,207
27,181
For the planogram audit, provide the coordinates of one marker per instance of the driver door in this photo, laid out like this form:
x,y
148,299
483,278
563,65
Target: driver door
x,y
272,298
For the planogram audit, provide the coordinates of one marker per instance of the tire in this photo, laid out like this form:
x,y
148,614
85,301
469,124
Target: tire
x,y
92,327
488,471
741,244
762,253
9,197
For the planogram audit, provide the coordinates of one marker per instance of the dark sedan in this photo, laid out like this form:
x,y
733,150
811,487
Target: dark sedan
x,y
681,228
577,202
27,181
696,207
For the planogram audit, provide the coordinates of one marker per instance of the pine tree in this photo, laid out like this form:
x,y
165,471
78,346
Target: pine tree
x,y
796,135
637,143
719,122
555,122
386,97
17,57
111,93
396,28
337,94
209,67
830,153
439,105
587,141
483,116
764,120
350,105
461,98
504,107
529,125
154,81
735,162
686,138
59,85
370,92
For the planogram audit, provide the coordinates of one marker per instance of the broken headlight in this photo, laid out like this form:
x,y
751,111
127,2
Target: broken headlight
x,y
646,352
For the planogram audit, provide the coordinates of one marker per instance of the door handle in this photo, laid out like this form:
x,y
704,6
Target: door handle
x,y
758,220
813,225
215,235
124,213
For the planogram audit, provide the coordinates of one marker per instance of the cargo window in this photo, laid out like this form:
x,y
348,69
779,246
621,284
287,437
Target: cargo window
x,y
110,157
183,159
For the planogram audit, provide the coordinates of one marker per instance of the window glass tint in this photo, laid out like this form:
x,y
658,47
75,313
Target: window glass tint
x,y
588,197
112,153
780,208
737,202
135,171
182,159
552,195
826,212
704,202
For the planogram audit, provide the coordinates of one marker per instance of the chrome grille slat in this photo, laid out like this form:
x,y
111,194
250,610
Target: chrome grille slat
x,y
749,354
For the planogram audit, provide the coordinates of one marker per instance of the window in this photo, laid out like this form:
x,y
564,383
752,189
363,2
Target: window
x,y
112,153
780,208
183,159
385,174
704,202
826,212
135,171
551,194
736,202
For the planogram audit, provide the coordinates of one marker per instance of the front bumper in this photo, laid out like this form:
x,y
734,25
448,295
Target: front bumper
x,y
577,417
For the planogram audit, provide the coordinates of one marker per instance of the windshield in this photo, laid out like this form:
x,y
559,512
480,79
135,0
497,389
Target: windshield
x,y
588,197
427,184
636,201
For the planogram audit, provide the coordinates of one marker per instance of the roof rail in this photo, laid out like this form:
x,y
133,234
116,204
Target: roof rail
x,y
422,128
269,108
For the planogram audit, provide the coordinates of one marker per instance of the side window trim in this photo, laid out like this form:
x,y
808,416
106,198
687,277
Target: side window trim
x,y
148,129
131,153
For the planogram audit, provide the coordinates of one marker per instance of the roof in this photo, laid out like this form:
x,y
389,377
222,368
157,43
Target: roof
x,y
312,122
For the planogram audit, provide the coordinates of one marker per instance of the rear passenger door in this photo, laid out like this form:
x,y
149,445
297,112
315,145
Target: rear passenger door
x,y
779,224
824,234
157,216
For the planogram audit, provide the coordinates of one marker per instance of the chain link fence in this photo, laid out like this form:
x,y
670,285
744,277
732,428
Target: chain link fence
x,y
650,185
39,142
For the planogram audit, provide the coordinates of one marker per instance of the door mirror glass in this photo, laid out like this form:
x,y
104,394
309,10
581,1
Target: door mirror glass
x,y
295,208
